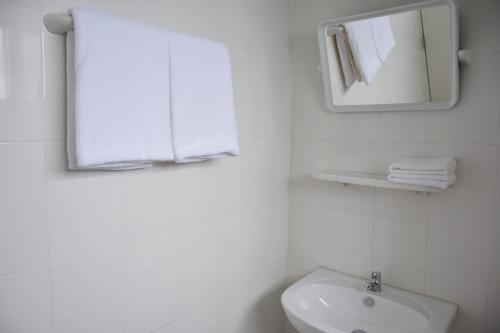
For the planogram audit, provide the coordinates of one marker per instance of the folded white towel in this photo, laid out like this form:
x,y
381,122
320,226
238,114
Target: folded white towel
x,y
424,182
441,178
118,93
382,35
422,172
371,41
203,118
411,165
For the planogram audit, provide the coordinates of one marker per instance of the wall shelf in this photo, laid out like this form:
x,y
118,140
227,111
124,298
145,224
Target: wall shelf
x,y
367,179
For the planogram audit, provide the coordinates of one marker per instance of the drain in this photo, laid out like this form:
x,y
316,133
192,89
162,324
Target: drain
x,y
369,303
358,331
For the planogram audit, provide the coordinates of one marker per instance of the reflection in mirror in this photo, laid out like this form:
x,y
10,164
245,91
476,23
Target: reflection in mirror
x,y
405,57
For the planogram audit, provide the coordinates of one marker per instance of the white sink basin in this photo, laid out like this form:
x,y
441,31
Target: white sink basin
x,y
326,301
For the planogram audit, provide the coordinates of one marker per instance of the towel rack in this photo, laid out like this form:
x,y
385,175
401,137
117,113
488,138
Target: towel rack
x,y
57,23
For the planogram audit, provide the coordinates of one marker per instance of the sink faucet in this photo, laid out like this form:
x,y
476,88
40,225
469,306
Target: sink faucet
x,y
375,284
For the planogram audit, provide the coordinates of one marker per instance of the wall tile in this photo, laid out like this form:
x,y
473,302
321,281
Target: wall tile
x,y
150,284
87,294
307,237
25,302
200,321
272,95
405,206
295,274
23,212
415,126
160,13
496,222
454,259
311,119
244,83
354,199
84,207
266,303
478,23
197,189
270,243
233,313
196,268
399,251
309,156
149,203
253,245
237,20
475,119
54,103
276,240
274,17
492,322
234,188
349,126
236,241
468,205
344,254
21,88
254,308
269,182
304,43
200,18
356,156
305,52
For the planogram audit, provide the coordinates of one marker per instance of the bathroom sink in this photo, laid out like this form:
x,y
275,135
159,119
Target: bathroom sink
x,y
326,301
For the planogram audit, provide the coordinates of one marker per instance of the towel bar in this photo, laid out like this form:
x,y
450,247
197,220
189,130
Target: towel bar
x,y
58,23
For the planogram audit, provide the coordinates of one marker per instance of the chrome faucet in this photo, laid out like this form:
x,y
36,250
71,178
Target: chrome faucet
x,y
375,285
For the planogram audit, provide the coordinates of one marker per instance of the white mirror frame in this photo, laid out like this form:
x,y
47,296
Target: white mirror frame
x,y
322,35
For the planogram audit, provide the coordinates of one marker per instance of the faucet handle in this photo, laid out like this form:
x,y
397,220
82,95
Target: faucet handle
x,y
376,275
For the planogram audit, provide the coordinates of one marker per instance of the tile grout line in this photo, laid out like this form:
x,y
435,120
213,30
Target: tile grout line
x,y
491,264
427,235
490,270
49,236
122,254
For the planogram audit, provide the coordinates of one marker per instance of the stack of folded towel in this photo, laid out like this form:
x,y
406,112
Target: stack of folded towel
x,y
436,172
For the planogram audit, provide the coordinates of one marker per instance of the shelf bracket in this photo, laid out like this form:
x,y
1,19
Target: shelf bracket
x,y
464,58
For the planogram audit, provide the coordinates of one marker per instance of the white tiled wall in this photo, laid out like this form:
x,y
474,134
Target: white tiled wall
x,y
191,248
202,247
445,245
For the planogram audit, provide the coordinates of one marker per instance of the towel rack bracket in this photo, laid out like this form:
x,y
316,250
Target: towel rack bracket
x,y
58,23
333,29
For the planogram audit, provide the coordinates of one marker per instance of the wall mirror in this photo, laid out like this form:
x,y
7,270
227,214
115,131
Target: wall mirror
x,y
403,58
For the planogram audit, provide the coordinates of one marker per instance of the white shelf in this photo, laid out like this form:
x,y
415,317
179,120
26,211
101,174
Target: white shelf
x,y
367,179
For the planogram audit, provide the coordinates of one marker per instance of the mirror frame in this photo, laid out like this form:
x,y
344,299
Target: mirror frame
x,y
454,80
